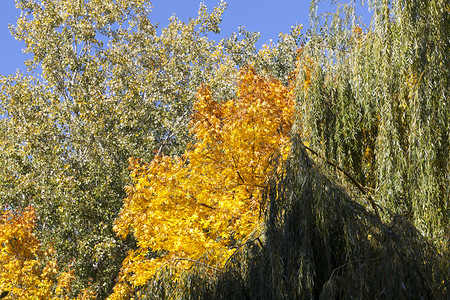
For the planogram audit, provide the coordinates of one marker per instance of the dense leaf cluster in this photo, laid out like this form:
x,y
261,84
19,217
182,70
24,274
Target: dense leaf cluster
x,y
27,270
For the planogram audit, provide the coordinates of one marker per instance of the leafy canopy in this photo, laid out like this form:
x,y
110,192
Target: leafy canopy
x,y
205,203
377,103
110,88
27,270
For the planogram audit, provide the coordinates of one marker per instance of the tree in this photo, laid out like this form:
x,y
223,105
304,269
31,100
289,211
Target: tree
x,y
110,88
103,86
200,207
377,104
27,270
360,101
278,61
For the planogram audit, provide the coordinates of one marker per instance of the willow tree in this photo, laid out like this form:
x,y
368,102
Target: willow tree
x,y
376,102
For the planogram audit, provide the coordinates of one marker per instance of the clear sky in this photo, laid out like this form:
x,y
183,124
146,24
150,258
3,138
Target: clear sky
x,y
269,17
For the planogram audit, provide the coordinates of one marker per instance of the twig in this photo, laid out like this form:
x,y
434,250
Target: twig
x,y
353,180
240,177
176,260
206,205
351,262
201,203
361,22
241,246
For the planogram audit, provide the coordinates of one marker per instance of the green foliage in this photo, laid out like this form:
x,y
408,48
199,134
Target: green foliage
x,y
111,88
278,60
378,104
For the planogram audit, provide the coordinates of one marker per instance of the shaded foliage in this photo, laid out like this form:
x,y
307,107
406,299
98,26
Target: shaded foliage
x,y
322,244
319,244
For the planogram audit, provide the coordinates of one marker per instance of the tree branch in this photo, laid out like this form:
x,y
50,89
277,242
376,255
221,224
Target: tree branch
x,y
353,180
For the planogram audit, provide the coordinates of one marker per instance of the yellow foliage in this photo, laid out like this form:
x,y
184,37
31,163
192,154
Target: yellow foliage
x,y
207,202
27,271
358,33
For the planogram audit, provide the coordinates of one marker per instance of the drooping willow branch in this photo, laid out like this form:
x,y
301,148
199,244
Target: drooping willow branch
x,y
242,246
353,180
178,259
351,262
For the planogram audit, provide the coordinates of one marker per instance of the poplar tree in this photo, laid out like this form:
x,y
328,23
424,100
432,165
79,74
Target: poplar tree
x,y
102,86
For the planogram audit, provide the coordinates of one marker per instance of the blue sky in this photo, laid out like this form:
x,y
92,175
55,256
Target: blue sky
x,y
269,17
